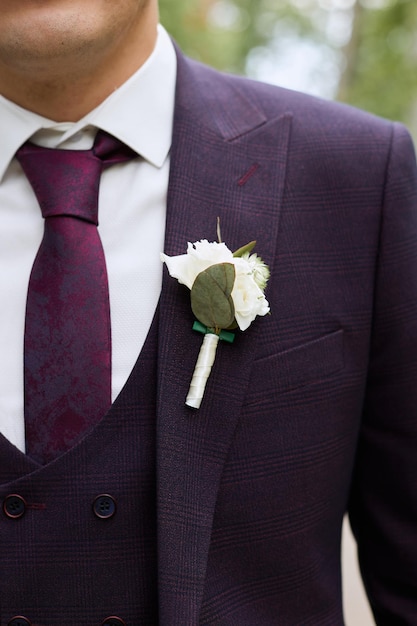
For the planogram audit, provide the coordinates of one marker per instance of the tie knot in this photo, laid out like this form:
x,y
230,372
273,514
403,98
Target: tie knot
x,y
66,182
110,150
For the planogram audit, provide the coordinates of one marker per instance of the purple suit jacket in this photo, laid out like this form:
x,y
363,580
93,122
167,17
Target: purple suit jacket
x,y
313,410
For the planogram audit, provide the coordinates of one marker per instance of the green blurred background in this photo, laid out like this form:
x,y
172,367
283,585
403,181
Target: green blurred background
x,y
363,52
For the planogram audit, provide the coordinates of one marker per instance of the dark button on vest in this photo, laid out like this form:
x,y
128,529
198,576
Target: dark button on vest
x,y
14,506
113,621
104,506
19,621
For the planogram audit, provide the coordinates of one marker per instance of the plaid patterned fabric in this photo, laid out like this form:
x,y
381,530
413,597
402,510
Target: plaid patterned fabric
x,y
311,412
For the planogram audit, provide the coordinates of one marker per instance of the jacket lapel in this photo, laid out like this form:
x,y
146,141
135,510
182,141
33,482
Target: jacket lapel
x,y
227,161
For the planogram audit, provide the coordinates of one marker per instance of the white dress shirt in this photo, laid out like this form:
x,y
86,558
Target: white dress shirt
x,y
132,207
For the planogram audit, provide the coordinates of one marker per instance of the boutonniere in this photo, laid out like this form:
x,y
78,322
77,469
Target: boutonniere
x,y
227,292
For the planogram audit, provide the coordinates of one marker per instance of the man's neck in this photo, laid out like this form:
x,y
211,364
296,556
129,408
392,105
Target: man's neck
x,y
68,89
71,98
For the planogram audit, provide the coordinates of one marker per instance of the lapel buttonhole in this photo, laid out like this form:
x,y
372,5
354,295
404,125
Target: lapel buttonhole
x,y
251,171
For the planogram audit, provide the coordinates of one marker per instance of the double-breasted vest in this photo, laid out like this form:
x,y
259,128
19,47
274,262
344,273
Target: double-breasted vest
x,y
77,536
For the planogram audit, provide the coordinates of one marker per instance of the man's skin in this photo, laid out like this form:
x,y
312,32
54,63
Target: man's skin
x,y
62,58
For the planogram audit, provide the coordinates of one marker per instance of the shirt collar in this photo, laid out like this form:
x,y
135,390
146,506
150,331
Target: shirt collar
x,y
139,113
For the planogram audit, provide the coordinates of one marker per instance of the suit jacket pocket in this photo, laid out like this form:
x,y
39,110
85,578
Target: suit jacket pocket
x,y
299,366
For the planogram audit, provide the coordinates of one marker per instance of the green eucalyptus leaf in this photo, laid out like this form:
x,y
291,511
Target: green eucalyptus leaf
x,y
248,248
211,300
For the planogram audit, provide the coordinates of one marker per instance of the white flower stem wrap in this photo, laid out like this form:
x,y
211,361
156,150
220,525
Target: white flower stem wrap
x,y
202,370
227,292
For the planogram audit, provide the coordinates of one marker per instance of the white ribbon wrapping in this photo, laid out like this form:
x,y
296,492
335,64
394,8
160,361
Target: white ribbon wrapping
x,y
202,370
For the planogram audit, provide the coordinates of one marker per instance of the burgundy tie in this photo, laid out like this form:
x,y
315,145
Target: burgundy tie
x,y
67,358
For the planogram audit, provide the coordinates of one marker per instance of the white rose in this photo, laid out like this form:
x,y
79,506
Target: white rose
x,y
200,255
248,298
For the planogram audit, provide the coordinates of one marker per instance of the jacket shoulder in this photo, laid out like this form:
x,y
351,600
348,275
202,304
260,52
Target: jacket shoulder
x,y
311,114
